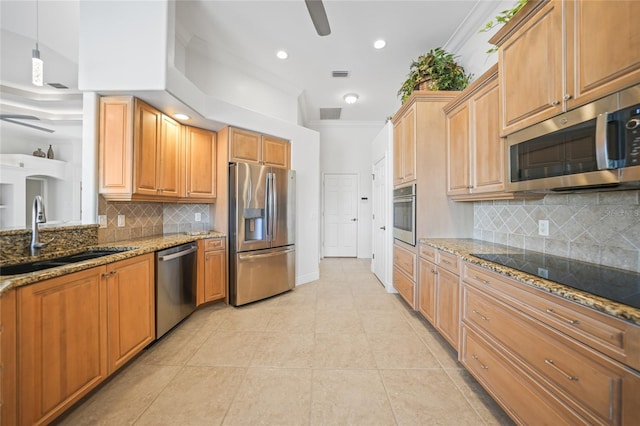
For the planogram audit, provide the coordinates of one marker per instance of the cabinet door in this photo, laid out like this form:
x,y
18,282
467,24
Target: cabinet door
x,y
448,306
245,146
201,163
116,145
531,70
8,359
215,275
603,38
409,145
276,152
62,343
458,150
131,308
170,179
427,290
398,172
148,123
487,146
404,286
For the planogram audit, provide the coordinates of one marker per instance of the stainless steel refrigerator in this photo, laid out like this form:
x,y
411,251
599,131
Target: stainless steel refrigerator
x,y
262,254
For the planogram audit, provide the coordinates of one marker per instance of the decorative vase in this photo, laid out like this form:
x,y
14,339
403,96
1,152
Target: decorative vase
x,y
39,153
50,152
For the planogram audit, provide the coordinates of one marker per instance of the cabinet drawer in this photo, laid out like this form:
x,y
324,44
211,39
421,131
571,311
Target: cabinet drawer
x,y
214,244
449,262
580,376
428,253
521,397
405,261
404,286
613,337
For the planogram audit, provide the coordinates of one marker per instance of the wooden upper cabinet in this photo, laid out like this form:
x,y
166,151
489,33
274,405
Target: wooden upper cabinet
x,y
115,150
458,141
200,148
143,155
404,147
475,150
538,80
531,70
276,152
251,147
244,146
603,38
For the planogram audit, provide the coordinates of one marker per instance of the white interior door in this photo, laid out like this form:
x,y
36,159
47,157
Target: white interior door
x,y
380,206
340,215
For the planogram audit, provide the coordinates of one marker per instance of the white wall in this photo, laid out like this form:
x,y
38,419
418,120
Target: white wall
x,y
160,19
346,148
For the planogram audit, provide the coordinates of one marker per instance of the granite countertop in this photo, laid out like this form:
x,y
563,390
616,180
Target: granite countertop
x,y
133,248
464,247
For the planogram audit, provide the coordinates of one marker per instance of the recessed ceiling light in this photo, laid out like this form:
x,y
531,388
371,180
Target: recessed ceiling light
x,y
282,54
180,116
351,98
379,44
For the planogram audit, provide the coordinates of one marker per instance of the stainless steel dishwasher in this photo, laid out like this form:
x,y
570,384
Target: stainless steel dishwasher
x,y
175,286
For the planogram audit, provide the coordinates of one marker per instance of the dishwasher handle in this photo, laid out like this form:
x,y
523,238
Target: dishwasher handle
x,y
189,250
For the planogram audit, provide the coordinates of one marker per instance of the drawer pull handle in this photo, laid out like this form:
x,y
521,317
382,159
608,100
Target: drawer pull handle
x,y
563,318
481,316
446,261
568,376
475,277
475,356
434,271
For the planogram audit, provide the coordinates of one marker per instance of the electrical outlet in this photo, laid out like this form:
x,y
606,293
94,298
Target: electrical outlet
x,y
102,220
120,220
543,272
198,217
543,228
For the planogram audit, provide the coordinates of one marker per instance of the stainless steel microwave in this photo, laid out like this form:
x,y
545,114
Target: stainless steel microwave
x,y
595,146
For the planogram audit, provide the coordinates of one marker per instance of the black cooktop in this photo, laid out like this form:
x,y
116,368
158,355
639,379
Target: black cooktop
x,y
611,283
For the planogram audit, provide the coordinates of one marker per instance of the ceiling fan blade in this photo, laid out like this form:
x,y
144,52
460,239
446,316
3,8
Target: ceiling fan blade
x,y
318,16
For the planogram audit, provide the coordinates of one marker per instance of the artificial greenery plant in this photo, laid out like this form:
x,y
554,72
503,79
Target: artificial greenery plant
x,y
440,71
502,18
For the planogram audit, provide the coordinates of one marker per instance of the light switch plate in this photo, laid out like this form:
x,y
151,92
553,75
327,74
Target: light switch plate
x,y
120,220
102,220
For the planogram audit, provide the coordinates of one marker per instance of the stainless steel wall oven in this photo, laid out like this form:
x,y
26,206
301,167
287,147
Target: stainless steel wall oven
x,y
404,214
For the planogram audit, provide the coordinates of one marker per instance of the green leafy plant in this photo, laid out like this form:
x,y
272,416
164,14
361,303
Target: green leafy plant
x,y
502,18
438,69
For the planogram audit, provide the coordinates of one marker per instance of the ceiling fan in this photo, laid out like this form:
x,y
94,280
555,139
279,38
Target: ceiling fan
x,y
13,118
318,16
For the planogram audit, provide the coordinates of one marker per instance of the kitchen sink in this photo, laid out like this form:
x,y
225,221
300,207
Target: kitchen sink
x,y
40,265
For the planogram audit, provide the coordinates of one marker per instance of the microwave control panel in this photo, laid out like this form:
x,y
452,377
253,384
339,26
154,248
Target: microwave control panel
x,y
632,136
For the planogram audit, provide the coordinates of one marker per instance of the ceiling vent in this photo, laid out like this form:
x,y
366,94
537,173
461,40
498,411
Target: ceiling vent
x,y
57,85
339,74
330,113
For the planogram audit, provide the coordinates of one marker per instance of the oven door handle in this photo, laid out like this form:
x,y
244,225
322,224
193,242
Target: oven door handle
x,y
410,198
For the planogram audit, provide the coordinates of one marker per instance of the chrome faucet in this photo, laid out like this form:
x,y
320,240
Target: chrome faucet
x,y
38,215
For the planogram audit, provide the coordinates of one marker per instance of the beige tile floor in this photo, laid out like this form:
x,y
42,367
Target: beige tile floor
x,y
336,351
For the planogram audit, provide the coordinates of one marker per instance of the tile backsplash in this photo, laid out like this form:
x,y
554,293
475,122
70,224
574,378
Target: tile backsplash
x,y
601,228
147,219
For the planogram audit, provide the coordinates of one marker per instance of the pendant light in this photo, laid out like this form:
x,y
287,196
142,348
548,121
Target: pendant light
x,y
37,66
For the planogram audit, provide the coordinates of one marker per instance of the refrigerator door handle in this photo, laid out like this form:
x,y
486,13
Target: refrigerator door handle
x,y
267,204
258,256
274,207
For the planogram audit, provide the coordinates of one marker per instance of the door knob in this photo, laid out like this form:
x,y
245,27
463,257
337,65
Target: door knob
x,y
354,219
384,228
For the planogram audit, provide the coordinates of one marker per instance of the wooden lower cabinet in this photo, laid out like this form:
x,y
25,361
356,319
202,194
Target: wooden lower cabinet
x,y
591,385
62,343
448,311
130,308
427,290
75,330
520,396
8,354
404,273
212,270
